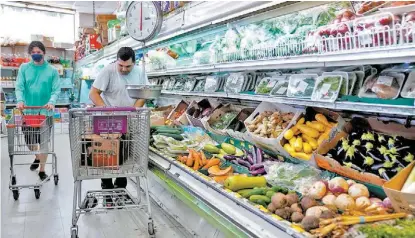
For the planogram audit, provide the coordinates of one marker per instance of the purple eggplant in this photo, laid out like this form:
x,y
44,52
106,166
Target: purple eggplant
x,y
243,163
254,155
231,157
258,156
250,159
260,171
256,166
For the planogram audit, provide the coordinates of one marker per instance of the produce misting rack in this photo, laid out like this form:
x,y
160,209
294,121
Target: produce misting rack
x,y
225,207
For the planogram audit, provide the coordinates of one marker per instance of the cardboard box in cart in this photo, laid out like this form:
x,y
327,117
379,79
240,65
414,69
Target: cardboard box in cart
x,y
102,151
401,202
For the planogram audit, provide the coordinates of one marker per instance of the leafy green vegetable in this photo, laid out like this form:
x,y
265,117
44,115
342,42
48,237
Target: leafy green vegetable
x,y
402,229
327,89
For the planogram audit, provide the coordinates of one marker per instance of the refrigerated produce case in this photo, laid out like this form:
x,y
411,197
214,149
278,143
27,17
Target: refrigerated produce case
x,y
246,44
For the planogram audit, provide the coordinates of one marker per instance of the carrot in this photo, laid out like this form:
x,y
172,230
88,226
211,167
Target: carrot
x,y
196,165
211,163
190,159
204,160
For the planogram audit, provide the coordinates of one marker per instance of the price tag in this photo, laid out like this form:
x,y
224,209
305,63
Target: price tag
x,y
302,86
282,90
325,89
385,80
365,37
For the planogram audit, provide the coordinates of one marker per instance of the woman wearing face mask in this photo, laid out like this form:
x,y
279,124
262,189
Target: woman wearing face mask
x,y
37,85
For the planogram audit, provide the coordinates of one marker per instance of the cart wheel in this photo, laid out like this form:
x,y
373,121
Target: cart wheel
x,y
14,180
56,179
16,194
74,233
151,231
37,193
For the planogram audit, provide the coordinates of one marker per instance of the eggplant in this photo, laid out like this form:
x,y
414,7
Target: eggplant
x,y
259,157
260,171
243,163
250,159
383,174
231,157
256,166
254,155
353,166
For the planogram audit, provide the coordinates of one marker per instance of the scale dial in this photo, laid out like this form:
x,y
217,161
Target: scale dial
x,y
143,20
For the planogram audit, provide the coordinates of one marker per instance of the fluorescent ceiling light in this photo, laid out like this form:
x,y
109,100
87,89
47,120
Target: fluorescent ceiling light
x,y
39,7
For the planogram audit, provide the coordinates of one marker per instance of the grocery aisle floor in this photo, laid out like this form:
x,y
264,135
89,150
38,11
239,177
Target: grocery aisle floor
x,y
50,216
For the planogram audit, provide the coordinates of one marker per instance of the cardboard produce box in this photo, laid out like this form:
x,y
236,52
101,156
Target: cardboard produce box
x,y
217,114
269,143
309,115
401,201
191,110
179,109
242,116
334,166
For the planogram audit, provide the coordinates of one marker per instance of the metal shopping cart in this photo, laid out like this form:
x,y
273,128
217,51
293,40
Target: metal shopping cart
x,y
30,132
109,143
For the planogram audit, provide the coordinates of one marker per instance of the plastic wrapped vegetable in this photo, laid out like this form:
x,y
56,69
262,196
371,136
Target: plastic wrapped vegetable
x,y
327,88
301,85
280,88
212,83
189,85
235,82
200,85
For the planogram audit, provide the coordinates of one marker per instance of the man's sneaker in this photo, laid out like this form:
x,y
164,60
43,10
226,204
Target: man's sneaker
x,y
35,165
43,176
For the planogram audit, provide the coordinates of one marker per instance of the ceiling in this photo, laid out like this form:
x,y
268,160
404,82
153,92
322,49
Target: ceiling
x,y
101,7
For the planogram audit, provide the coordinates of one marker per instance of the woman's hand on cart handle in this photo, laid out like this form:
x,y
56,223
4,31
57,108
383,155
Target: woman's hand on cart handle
x,y
20,106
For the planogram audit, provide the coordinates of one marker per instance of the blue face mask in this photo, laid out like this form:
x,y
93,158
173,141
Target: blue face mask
x,y
37,57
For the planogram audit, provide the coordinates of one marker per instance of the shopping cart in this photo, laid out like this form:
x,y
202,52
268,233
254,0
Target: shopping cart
x,y
109,143
30,132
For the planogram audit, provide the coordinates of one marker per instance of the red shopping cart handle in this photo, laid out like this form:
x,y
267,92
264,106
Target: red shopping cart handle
x,y
34,107
111,109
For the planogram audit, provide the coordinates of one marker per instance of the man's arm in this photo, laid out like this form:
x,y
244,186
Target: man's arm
x,y
139,103
95,96
20,88
100,85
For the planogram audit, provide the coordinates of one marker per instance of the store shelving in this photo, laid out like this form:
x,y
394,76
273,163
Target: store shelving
x,y
339,105
9,67
248,218
57,104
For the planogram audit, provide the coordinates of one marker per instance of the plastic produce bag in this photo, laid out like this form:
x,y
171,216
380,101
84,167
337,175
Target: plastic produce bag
x,y
280,88
327,88
298,177
301,85
235,83
189,84
212,83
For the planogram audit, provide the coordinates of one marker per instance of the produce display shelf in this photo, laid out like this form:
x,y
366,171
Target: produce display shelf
x,y
12,87
57,104
255,220
389,55
339,105
198,19
9,67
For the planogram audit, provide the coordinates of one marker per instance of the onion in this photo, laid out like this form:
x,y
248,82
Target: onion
x,y
316,211
387,203
338,185
358,190
318,190
362,203
375,200
329,199
345,202
350,182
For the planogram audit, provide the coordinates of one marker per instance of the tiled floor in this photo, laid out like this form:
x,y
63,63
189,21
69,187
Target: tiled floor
x,y
50,216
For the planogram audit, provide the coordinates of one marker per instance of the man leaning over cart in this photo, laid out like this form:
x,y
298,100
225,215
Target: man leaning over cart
x,y
109,89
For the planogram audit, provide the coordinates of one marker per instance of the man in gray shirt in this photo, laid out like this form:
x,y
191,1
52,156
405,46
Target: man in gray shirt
x,y
109,89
